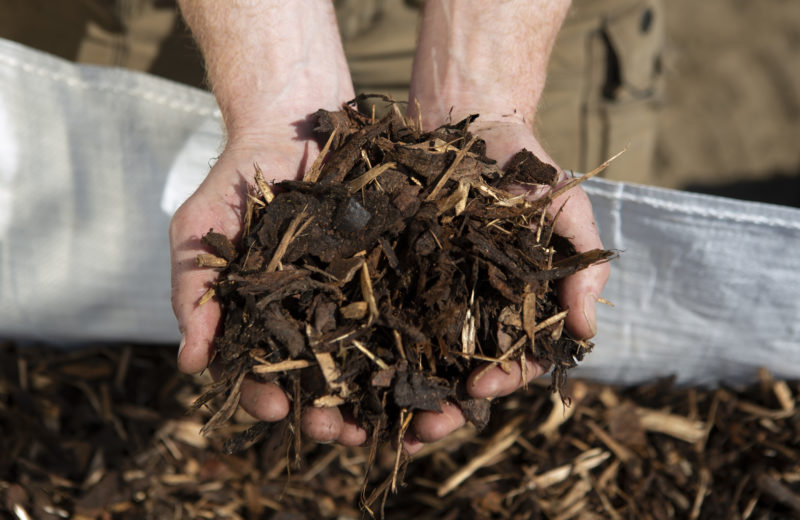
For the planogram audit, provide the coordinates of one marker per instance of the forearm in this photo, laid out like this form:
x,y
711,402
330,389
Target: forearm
x,y
269,59
484,56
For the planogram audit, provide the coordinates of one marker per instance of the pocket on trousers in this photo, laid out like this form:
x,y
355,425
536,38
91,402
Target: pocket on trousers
x,y
635,40
624,112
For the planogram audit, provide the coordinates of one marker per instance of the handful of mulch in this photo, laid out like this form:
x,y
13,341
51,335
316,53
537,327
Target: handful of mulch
x,y
399,264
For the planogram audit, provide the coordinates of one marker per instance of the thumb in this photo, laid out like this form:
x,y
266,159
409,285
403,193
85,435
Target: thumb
x,y
580,291
197,323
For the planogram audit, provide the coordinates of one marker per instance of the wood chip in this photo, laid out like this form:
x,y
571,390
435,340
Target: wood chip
x,y
671,424
209,260
281,366
266,191
499,442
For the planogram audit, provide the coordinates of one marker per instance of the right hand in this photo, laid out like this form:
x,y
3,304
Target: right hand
x,y
270,63
283,152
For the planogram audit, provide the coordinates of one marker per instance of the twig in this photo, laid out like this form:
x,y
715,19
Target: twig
x,y
312,175
366,178
506,355
405,421
366,290
322,463
583,463
289,364
331,373
228,408
774,488
449,172
673,425
560,414
398,341
378,361
705,477
498,443
622,453
294,229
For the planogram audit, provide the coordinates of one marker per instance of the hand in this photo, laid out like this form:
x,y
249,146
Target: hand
x,y
504,137
270,63
283,152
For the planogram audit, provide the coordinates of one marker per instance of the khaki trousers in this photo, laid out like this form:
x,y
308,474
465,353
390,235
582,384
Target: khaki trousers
x,y
604,86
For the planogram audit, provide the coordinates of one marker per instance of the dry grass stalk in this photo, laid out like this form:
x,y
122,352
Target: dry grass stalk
x,y
367,292
378,361
405,422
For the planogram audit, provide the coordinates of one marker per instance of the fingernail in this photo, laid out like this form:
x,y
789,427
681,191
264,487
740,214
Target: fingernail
x,y
589,312
181,345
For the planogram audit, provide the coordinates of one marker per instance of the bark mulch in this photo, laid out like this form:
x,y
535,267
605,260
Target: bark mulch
x,y
103,432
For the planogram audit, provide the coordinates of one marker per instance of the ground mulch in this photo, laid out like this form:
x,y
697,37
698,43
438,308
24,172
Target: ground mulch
x,y
103,432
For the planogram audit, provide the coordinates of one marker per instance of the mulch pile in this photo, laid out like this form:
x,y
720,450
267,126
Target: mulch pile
x,y
400,263
103,433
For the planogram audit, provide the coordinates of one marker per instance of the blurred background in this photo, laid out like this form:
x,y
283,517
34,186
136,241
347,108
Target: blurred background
x,y
722,95
730,124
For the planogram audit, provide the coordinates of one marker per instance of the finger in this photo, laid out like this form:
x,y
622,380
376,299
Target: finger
x,y
197,323
495,382
432,426
322,424
217,204
352,434
575,219
264,401
579,292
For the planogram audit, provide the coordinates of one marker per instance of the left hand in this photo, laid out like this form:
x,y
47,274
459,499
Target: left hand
x,y
579,292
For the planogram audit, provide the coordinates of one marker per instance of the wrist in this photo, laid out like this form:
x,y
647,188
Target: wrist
x,y
270,62
484,57
451,107
281,109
